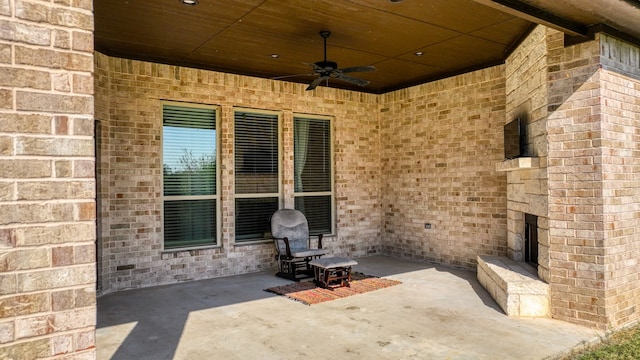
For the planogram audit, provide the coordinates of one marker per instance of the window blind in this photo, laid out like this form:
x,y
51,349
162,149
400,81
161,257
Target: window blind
x,y
256,153
317,210
189,175
253,217
256,173
312,157
189,223
312,172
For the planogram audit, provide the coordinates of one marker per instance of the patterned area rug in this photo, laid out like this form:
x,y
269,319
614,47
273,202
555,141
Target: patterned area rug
x,y
308,293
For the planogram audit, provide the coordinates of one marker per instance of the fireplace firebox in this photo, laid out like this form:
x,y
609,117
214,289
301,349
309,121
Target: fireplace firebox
x,y
531,239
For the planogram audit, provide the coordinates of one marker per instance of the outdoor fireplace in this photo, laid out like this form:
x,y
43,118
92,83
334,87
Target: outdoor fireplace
x,y
519,282
531,240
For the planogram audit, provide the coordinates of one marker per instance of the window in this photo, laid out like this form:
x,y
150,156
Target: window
x,y
313,172
189,156
257,173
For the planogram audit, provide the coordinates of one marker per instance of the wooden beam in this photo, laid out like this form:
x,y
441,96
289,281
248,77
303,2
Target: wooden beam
x,y
539,16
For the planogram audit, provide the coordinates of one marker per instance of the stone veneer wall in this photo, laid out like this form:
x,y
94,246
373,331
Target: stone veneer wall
x,y
47,179
594,107
129,113
527,192
440,145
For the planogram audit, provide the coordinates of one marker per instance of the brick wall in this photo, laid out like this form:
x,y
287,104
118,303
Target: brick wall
x,y
129,112
47,206
620,126
575,172
425,154
526,98
131,252
440,145
593,164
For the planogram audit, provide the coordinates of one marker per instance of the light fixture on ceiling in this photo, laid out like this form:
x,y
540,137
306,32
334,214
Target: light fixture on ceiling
x,y
275,56
418,53
189,2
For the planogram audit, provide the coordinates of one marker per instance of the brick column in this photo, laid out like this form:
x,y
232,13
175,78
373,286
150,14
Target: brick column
x,y
620,124
594,196
575,175
47,180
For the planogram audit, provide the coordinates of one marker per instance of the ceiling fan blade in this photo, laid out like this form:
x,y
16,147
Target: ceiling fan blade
x,y
316,82
352,80
329,69
315,67
290,76
358,69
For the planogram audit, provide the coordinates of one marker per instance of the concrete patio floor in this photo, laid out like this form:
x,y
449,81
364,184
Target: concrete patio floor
x,y
436,313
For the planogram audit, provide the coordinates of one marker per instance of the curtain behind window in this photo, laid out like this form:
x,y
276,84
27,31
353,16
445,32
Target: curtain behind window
x,y
312,171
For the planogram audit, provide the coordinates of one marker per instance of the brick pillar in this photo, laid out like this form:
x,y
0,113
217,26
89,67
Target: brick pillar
x,y
594,193
620,124
575,181
47,180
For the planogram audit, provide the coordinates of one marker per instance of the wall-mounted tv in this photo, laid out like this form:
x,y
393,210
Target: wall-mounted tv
x,y
514,139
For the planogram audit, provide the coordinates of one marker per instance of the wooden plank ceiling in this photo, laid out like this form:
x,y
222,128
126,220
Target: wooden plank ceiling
x,y
240,36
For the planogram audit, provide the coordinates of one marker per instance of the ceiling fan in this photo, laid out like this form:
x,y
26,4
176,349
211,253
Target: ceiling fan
x,y
329,69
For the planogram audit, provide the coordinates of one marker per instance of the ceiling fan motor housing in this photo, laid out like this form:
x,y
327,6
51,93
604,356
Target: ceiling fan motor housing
x,y
327,65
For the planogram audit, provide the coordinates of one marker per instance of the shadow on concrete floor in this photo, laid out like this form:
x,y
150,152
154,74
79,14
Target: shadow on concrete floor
x,y
436,313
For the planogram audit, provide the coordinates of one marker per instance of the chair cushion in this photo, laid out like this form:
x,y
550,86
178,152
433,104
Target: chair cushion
x,y
333,262
299,248
308,252
291,224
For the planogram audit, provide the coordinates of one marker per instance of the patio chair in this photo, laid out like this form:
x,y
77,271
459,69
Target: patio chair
x,y
290,232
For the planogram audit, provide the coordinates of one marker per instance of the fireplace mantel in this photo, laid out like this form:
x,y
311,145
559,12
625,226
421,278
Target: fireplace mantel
x,y
520,163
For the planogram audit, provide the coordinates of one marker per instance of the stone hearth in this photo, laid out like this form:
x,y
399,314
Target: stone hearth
x,y
514,286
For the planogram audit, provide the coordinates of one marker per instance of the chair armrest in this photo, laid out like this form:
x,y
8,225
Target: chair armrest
x,y
286,244
319,241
